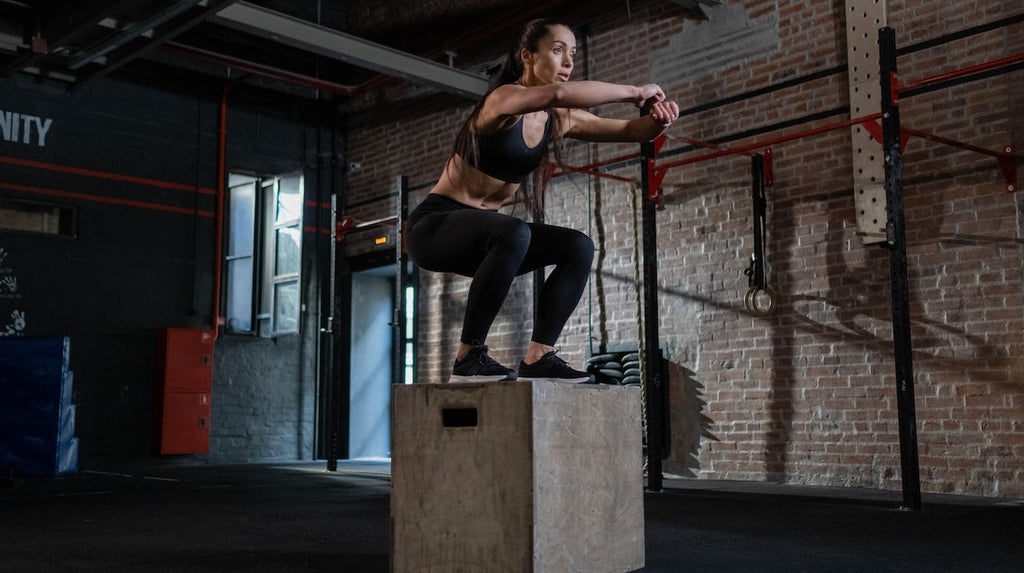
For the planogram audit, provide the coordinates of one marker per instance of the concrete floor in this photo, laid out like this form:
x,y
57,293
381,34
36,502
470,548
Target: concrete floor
x,y
299,517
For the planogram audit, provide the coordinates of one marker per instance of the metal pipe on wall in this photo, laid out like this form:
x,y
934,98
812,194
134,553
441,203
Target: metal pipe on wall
x,y
218,240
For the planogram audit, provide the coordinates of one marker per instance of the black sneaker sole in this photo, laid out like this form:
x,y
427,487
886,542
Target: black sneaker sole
x,y
579,380
456,379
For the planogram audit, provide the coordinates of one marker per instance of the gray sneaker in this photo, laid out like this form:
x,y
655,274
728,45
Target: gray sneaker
x,y
477,366
551,368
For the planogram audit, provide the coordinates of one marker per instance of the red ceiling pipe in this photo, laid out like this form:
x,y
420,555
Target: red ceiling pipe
x,y
218,241
258,69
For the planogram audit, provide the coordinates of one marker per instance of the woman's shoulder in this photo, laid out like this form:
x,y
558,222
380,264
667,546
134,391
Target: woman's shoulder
x,y
505,104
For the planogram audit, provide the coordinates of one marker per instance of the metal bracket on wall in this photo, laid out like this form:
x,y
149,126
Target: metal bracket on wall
x,y
656,176
1006,158
342,226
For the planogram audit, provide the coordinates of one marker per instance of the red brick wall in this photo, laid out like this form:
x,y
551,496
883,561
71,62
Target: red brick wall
x,y
807,395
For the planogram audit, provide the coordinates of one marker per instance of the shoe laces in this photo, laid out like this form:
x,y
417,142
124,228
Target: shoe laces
x,y
553,357
484,358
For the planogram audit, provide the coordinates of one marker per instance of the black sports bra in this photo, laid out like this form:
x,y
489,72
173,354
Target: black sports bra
x,y
504,154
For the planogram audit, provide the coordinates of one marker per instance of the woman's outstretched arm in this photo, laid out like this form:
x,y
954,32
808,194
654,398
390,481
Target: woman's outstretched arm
x,y
513,99
589,127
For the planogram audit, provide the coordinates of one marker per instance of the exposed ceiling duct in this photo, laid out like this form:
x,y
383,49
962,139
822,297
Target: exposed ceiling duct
x,y
330,43
293,44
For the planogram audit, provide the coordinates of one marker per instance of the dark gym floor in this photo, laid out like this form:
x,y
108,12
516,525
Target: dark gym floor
x,y
299,517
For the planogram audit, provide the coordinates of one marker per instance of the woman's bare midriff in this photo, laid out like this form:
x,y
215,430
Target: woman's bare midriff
x,y
470,186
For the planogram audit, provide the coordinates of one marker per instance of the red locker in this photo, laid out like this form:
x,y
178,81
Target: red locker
x,y
184,381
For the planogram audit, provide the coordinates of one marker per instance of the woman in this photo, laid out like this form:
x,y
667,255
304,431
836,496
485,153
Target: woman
x,y
457,228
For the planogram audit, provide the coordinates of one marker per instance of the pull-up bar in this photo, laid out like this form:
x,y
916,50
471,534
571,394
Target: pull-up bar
x,y
956,74
893,138
1006,157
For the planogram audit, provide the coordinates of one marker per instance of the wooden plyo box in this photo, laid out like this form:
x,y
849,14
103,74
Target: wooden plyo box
x,y
516,477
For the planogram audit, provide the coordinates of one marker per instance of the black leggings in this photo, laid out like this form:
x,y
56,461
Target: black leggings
x,y
444,235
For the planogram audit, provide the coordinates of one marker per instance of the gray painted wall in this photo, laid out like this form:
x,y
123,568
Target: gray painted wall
x,y
142,258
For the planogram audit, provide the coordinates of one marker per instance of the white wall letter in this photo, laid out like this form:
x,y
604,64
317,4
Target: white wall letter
x,y
43,127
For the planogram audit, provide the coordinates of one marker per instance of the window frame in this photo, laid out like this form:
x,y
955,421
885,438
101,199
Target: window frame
x,y
51,219
264,306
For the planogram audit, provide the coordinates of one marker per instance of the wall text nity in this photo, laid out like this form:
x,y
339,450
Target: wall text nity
x,y
24,128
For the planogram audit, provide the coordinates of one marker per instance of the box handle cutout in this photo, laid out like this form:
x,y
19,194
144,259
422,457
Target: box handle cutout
x,y
458,417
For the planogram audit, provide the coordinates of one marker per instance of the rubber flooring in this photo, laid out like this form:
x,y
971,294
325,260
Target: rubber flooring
x,y
300,517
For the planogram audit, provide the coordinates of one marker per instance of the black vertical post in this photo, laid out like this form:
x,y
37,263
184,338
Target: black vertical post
x,y
329,179
401,281
652,350
336,398
338,403
537,213
329,417
759,205
896,241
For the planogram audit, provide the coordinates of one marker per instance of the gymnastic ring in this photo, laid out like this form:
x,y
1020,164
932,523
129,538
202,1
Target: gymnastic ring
x,y
750,300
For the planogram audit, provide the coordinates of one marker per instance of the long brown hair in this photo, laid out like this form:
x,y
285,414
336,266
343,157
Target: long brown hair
x,y
465,145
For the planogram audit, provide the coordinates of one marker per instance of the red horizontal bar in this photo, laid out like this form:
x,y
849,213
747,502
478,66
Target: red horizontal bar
x,y
381,221
970,70
743,149
592,170
618,159
699,143
108,200
104,175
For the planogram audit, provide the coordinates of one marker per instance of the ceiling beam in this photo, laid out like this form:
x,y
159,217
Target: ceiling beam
x,y
55,25
324,41
63,22
133,31
165,30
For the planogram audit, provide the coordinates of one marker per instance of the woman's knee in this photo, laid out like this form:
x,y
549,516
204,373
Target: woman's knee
x,y
580,247
512,233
